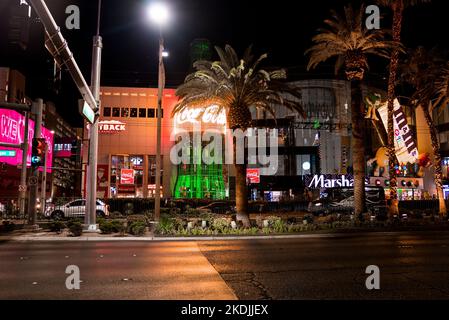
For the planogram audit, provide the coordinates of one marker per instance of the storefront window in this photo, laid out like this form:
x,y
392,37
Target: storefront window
x,y
152,174
127,176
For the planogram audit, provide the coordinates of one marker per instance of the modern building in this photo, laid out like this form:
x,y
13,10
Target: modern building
x,y
127,143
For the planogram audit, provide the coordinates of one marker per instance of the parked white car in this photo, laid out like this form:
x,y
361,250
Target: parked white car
x,y
76,208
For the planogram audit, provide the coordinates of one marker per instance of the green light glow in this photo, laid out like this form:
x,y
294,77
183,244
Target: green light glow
x,y
202,181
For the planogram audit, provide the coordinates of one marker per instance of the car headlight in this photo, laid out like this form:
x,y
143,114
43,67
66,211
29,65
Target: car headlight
x,y
317,204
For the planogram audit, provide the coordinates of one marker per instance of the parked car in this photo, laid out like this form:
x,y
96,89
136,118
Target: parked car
x,y
76,208
218,207
341,200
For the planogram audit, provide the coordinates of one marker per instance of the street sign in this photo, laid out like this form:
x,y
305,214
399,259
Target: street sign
x,y
86,111
32,181
8,153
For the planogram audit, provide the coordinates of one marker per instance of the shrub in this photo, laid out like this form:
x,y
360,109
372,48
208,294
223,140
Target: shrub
x,y
57,226
137,228
76,228
279,226
166,225
111,226
220,224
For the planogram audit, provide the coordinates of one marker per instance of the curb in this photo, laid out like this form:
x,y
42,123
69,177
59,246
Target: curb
x,y
163,239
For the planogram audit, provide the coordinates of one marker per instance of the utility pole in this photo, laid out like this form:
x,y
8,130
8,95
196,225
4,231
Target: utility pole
x,y
91,176
23,172
44,182
161,84
37,109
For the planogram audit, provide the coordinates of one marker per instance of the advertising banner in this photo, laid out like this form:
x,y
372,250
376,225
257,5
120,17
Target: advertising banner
x,y
12,128
253,175
405,146
126,176
102,181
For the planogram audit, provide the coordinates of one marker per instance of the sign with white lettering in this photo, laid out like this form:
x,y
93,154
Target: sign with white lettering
x,y
328,181
127,176
405,146
111,126
209,115
253,175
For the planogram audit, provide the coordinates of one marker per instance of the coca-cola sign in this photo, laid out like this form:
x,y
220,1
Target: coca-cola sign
x,y
253,175
209,115
127,176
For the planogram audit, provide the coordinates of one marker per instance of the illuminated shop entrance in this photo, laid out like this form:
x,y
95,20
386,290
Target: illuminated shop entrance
x,y
203,181
197,178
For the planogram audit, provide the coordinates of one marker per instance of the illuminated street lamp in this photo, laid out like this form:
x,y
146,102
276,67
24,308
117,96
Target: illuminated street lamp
x,y
159,14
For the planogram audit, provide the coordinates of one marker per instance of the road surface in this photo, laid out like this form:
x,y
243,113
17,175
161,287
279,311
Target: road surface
x,y
413,265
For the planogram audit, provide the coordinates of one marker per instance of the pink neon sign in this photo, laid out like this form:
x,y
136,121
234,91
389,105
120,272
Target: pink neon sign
x,y
12,128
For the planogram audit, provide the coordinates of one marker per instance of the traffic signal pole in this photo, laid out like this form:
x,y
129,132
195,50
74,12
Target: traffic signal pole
x,y
23,173
44,182
91,176
37,110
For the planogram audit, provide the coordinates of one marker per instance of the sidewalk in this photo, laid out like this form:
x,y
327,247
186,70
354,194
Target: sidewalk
x,y
24,236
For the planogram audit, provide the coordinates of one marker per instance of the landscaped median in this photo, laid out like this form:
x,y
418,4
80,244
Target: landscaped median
x,y
208,226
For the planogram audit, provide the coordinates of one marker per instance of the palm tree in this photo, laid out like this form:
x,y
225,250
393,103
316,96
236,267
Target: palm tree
x,y
397,6
348,41
238,85
428,75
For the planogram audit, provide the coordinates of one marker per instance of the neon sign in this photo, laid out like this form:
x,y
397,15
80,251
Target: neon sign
x,y
212,114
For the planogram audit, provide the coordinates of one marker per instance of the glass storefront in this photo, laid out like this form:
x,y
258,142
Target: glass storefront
x,y
203,181
127,176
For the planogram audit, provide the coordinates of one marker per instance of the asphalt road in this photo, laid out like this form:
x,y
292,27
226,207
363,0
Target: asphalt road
x,y
412,265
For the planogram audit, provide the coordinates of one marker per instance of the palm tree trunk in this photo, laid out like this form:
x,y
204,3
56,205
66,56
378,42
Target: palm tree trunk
x,y
358,146
437,161
241,195
398,9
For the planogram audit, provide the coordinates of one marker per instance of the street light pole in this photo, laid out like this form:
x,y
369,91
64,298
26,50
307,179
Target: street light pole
x,y
23,173
160,84
91,176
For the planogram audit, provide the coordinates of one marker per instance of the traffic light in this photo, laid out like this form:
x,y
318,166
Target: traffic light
x,y
38,152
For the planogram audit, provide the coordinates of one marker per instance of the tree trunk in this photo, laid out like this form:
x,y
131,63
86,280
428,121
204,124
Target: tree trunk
x,y
241,195
398,9
437,161
358,146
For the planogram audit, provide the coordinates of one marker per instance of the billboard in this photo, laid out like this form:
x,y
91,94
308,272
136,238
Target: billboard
x,y
12,128
405,146
63,147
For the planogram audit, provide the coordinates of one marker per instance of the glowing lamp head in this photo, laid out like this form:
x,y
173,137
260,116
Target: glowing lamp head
x,y
158,13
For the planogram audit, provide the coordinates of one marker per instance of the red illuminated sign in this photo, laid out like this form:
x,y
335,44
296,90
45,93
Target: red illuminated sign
x,y
127,176
253,175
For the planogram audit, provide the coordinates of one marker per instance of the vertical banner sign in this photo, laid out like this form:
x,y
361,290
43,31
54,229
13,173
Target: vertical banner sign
x,y
405,146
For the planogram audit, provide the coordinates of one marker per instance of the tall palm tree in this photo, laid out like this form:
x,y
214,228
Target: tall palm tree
x,y
238,85
346,39
429,76
397,6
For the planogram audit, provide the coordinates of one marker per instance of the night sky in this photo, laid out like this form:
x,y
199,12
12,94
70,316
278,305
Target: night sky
x,y
283,29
